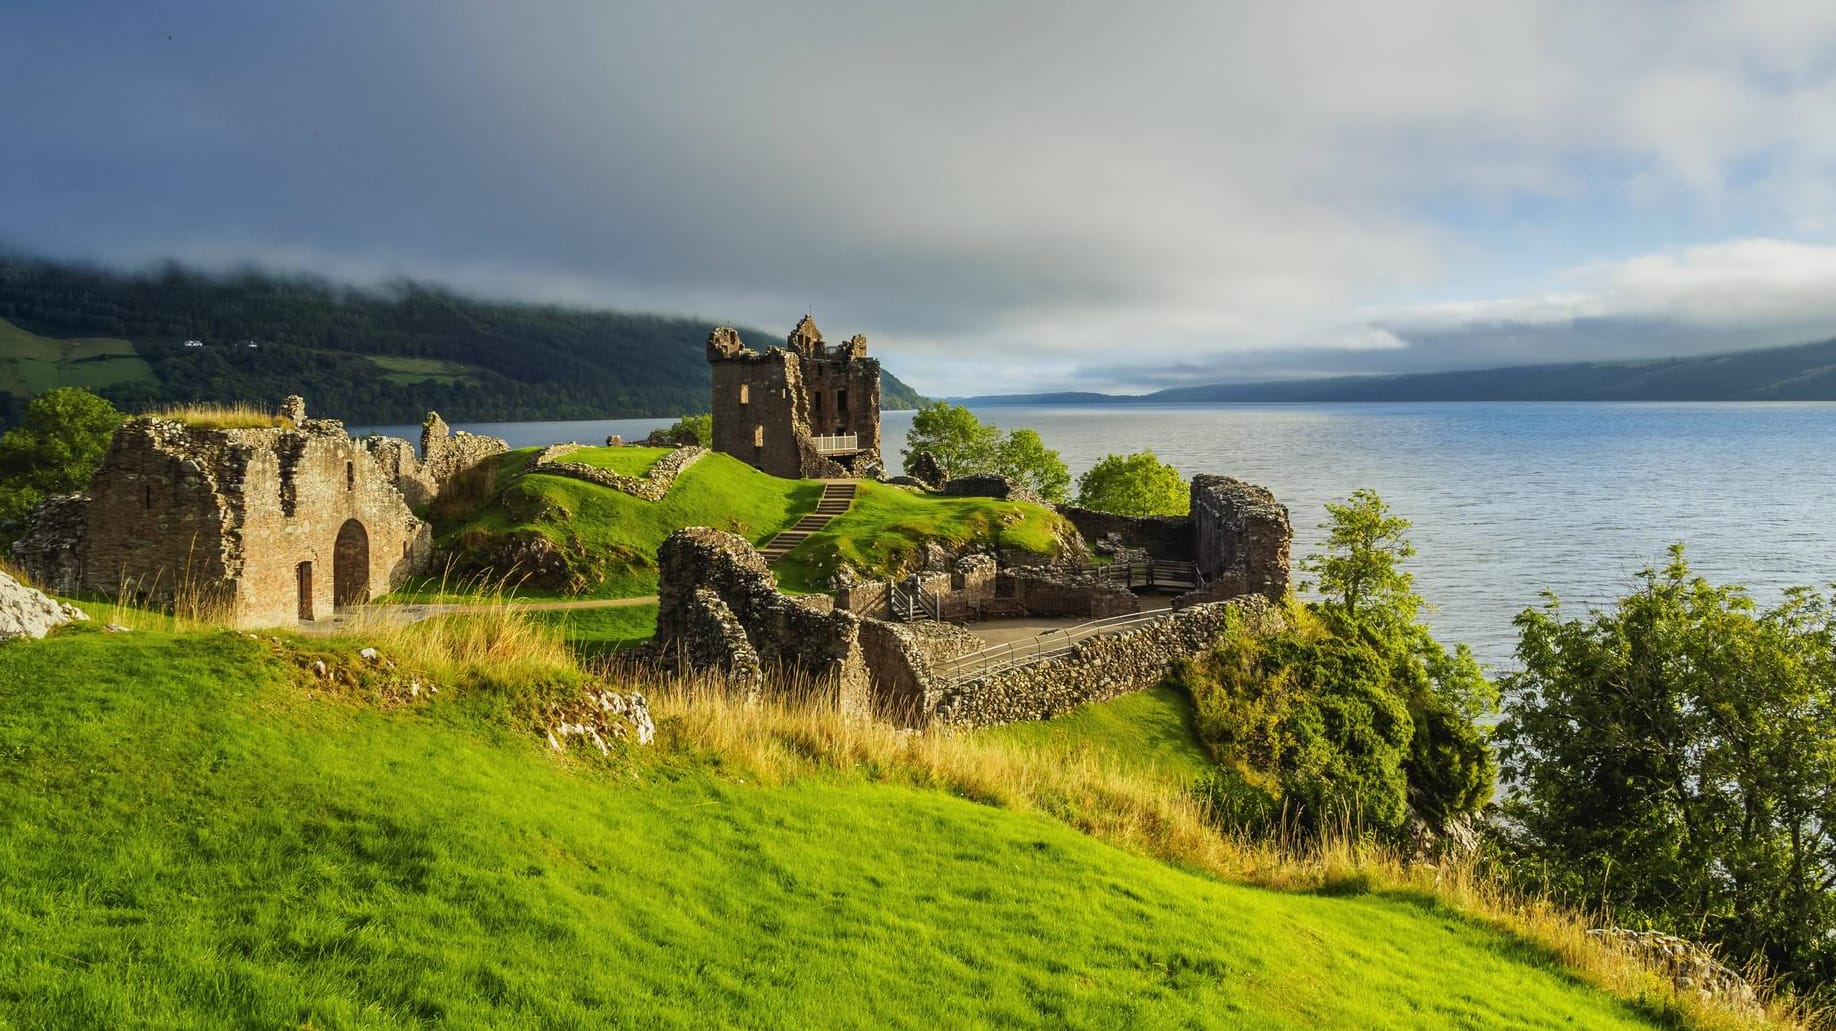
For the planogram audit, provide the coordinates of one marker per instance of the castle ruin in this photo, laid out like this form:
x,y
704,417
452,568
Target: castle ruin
x,y
263,525
806,410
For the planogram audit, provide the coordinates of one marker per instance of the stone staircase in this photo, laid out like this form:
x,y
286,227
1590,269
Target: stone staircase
x,y
836,498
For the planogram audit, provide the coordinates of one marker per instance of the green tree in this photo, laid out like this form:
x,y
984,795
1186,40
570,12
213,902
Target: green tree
x,y
1350,712
1138,484
1359,569
1023,457
692,429
1674,762
56,450
960,442
966,446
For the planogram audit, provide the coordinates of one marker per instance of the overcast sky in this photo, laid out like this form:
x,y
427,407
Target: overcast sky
x,y
1001,196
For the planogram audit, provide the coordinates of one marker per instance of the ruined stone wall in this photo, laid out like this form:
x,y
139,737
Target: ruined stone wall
x,y
651,486
445,455
792,644
1096,670
56,541
1051,592
271,524
1171,538
1242,538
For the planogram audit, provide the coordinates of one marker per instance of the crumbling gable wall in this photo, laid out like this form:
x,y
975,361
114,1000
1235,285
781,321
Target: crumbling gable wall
x,y
1242,538
445,455
269,525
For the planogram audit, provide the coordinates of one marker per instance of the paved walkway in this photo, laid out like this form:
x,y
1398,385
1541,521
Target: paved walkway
x,y
1024,628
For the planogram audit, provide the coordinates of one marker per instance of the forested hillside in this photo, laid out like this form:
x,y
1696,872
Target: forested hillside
x,y
363,356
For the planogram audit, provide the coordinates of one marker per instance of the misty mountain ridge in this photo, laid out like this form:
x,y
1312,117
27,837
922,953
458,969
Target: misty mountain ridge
x,y
1800,372
386,355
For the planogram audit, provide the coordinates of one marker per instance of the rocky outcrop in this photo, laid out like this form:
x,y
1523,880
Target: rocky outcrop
x,y
56,538
1689,966
925,469
27,612
651,486
718,607
1242,537
445,456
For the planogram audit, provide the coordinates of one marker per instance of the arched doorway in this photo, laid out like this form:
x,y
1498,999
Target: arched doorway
x,y
351,565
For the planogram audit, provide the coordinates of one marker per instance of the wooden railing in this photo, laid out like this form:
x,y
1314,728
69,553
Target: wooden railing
x,y
837,444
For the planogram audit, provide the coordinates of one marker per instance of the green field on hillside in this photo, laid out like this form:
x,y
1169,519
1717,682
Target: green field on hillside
x,y
187,840
626,461
403,369
888,526
31,364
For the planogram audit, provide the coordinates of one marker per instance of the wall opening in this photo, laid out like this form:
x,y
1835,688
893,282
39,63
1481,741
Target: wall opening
x,y
149,499
351,565
302,575
745,393
350,476
841,401
758,436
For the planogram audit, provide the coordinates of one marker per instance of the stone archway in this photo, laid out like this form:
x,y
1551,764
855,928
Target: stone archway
x,y
351,565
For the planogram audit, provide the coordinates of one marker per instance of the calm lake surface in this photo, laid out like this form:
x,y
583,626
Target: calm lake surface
x,y
1508,499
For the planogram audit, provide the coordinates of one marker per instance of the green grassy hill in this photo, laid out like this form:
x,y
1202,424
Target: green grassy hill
x,y
364,356
188,839
611,538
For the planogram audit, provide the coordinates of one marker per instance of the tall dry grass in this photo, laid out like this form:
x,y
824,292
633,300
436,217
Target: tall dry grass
x,y
237,415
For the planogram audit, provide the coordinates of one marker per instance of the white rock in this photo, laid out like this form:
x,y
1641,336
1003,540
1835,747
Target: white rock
x,y
370,654
25,612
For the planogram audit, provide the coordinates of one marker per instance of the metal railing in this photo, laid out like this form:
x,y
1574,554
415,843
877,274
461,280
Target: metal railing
x,y
1052,644
910,605
1154,573
837,444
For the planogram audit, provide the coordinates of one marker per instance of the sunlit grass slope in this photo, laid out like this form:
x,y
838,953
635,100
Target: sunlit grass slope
x,y
189,841
1150,731
619,533
887,528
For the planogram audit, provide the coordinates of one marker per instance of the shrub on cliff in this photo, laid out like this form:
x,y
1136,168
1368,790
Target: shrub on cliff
x,y
1352,716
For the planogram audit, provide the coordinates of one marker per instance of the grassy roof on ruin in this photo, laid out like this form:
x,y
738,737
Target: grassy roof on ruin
x,y
235,416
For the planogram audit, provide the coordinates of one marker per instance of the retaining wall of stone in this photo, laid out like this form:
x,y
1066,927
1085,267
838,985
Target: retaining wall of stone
x,y
1098,669
651,486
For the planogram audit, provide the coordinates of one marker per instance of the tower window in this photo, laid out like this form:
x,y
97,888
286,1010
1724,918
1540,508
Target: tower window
x,y
745,393
816,401
350,476
841,400
148,500
758,436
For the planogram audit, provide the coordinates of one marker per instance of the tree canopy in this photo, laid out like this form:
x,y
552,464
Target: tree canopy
x,y
1137,484
1674,762
963,445
56,450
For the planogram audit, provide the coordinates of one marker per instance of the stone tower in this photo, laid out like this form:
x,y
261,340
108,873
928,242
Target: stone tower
x,y
808,409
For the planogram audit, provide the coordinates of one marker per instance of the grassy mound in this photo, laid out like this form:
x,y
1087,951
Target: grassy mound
x,y
885,531
609,538
188,840
626,461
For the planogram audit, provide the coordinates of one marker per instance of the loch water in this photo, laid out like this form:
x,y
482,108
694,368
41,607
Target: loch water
x,y
1508,500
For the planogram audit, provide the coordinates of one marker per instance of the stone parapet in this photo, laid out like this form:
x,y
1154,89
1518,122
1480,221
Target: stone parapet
x,y
651,486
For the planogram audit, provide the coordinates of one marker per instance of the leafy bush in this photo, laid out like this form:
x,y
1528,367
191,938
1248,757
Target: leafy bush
x,y
1138,484
965,446
688,431
1351,716
1674,761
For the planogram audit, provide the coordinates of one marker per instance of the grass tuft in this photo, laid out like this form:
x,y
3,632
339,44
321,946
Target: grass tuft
x,y
235,416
